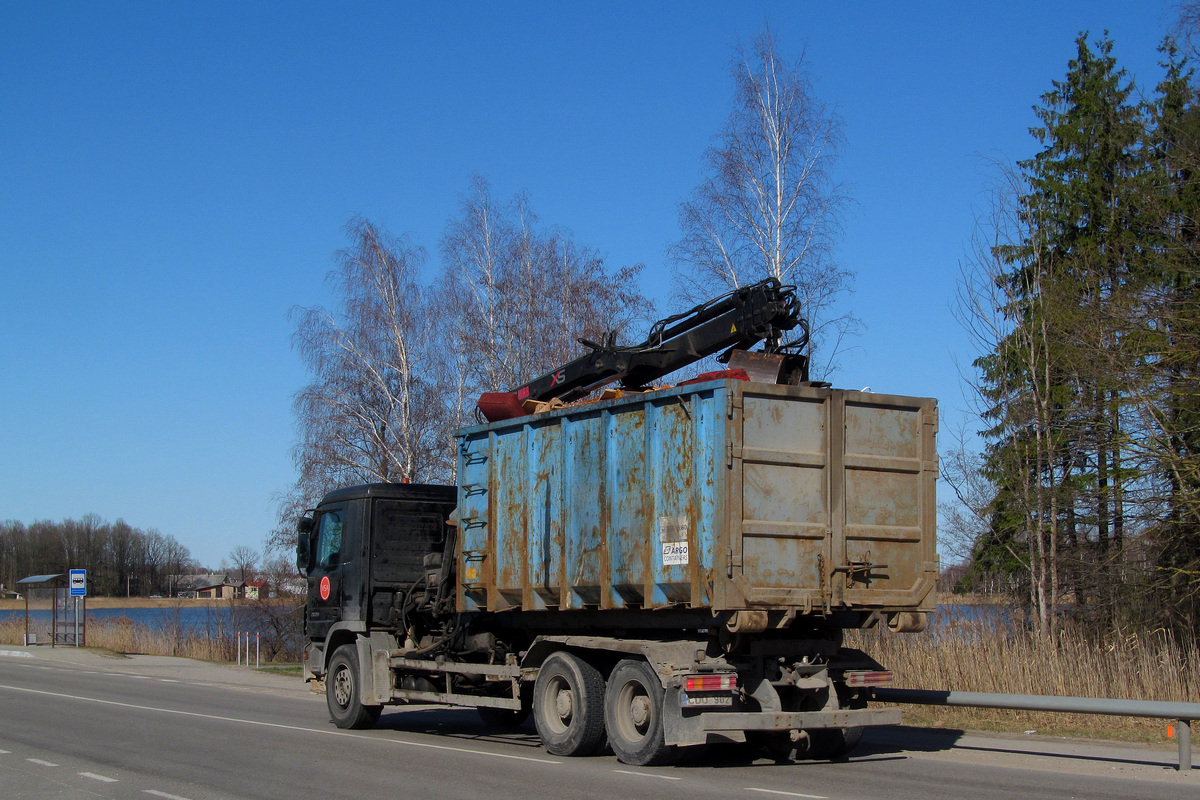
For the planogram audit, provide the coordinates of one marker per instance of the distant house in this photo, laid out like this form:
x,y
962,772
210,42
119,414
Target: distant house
x,y
213,586
254,590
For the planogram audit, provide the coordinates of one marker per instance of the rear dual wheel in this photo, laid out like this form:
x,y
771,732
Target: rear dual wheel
x,y
633,715
568,706
576,712
814,743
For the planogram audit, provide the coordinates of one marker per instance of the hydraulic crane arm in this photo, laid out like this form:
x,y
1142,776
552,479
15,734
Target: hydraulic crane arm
x,y
761,312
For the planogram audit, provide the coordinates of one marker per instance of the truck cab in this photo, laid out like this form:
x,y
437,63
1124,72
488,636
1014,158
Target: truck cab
x,y
360,547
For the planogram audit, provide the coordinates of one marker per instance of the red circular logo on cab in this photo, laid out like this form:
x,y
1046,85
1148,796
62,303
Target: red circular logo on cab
x,y
325,588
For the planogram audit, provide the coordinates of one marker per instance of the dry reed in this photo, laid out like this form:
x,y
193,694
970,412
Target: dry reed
x,y
989,653
213,641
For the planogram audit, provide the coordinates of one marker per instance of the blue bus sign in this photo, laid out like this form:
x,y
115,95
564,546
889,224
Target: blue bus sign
x,y
79,583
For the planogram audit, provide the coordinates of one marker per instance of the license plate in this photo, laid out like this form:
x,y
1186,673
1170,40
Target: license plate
x,y
707,699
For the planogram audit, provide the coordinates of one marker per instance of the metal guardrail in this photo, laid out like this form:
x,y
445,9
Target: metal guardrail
x,y
1183,713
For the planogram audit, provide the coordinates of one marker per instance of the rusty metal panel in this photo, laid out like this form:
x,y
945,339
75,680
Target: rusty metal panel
x,y
837,500
785,498
724,494
890,477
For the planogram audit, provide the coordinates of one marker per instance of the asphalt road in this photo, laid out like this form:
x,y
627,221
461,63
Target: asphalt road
x,y
74,724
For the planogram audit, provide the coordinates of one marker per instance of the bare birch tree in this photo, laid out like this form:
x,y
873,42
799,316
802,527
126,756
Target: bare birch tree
x,y
373,411
767,205
517,298
1013,390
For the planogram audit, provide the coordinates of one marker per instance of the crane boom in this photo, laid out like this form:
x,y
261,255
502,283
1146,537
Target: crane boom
x,y
737,320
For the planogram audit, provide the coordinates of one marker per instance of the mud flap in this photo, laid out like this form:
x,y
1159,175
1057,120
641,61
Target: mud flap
x,y
367,682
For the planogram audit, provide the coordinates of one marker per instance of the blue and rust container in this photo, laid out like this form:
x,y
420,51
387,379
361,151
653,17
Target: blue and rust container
x,y
725,495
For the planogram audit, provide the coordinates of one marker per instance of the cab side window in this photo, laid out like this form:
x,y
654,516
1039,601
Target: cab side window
x,y
329,540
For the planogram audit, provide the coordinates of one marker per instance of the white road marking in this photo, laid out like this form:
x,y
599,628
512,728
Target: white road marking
x,y
787,794
96,777
163,795
297,728
15,654
43,763
167,680
139,677
647,775
5,752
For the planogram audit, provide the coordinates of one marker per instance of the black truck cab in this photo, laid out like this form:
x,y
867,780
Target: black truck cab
x,y
361,546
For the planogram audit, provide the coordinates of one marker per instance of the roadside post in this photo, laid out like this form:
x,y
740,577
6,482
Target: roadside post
x,y
78,585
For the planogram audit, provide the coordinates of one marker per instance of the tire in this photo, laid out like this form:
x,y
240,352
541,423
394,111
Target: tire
x,y
633,715
778,745
568,706
834,743
342,692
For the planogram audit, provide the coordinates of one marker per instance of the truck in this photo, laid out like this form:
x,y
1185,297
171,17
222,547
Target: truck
x,y
646,570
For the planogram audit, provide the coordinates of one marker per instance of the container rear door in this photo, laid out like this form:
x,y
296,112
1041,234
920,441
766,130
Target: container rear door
x,y
832,500
779,515
887,555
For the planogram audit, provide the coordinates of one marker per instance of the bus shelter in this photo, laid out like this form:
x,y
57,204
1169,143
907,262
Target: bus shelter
x,y
52,615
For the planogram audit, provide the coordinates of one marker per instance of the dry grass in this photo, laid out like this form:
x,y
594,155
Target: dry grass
x,y
278,622
122,636
8,604
984,654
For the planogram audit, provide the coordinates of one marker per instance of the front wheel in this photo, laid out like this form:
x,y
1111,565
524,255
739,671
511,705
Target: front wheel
x,y
568,706
343,694
633,714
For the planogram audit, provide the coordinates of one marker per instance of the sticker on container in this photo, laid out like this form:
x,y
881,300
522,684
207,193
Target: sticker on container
x,y
673,534
674,554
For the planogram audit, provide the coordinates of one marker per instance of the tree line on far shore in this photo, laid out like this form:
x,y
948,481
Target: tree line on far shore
x,y
120,560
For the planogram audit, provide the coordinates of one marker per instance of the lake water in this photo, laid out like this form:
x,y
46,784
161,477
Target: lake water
x,y
223,619
216,619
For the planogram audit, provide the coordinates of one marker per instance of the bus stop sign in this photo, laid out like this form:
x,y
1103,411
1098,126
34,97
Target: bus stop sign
x,y
79,583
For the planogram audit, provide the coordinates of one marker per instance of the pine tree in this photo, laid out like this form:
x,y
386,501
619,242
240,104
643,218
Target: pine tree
x,y
1174,327
1057,400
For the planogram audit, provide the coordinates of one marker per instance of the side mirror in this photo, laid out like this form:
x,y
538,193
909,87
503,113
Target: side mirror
x,y
304,545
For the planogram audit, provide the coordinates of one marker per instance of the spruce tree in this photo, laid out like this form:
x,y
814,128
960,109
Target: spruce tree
x,y
1058,402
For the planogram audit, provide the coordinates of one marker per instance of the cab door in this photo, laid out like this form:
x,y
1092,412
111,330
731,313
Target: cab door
x,y
325,579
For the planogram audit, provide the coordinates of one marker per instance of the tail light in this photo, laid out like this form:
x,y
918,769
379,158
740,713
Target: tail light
x,y
713,682
858,678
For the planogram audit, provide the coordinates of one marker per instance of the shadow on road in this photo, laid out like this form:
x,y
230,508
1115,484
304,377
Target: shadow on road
x,y
458,723
878,744
883,743
899,738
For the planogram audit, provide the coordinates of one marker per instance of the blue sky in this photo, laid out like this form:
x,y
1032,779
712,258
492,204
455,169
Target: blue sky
x,y
174,177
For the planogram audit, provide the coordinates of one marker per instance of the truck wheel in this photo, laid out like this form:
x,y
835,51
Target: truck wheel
x,y
568,706
835,742
633,714
342,692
